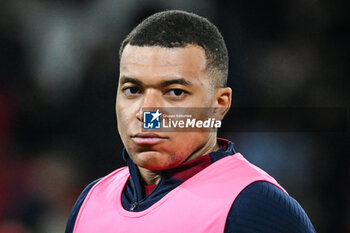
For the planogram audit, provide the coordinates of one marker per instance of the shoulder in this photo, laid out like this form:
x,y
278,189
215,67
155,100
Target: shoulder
x,y
75,210
263,207
77,205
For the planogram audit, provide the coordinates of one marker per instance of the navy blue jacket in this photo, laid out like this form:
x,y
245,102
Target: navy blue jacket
x,y
260,207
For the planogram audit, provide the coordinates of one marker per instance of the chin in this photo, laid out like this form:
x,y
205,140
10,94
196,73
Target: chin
x,y
154,160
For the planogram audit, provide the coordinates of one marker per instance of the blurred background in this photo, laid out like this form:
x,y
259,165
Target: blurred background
x,y
59,69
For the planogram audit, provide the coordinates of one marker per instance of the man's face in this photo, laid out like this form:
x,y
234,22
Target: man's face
x,y
152,77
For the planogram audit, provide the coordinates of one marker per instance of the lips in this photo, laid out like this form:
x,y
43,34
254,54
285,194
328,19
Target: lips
x,y
147,138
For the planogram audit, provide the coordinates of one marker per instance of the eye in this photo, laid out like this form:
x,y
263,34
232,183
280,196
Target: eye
x,y
131,91
177,93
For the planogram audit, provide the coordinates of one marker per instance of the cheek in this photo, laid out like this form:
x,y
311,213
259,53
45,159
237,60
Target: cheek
x,y
126,110
124,117
191,137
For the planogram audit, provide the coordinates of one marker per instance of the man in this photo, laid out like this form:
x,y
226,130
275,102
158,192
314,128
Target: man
x,y
180,181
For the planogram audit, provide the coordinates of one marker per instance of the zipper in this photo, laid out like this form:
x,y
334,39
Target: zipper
x,y
134,205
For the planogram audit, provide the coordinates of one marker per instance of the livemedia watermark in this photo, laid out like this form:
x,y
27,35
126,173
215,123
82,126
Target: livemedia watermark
x,y
180,119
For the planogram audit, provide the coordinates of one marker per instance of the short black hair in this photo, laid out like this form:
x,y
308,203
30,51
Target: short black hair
x,y
175,28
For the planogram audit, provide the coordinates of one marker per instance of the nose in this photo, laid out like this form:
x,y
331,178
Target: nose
x,y
152,99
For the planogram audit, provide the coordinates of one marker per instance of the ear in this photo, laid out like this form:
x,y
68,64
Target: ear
x,y
222,102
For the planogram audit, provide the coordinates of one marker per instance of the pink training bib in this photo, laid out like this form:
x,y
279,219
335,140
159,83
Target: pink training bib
x,y
200,204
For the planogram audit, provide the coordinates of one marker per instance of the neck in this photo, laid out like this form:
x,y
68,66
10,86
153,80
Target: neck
x,y
150,176
154,176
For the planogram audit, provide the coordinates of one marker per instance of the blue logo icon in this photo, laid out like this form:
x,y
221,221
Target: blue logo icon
x,y
151,120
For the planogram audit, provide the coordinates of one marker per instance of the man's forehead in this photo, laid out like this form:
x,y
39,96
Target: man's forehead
x,y
191,56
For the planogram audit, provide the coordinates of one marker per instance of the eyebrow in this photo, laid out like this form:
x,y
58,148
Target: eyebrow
x,y
181,81
164,83
124,80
